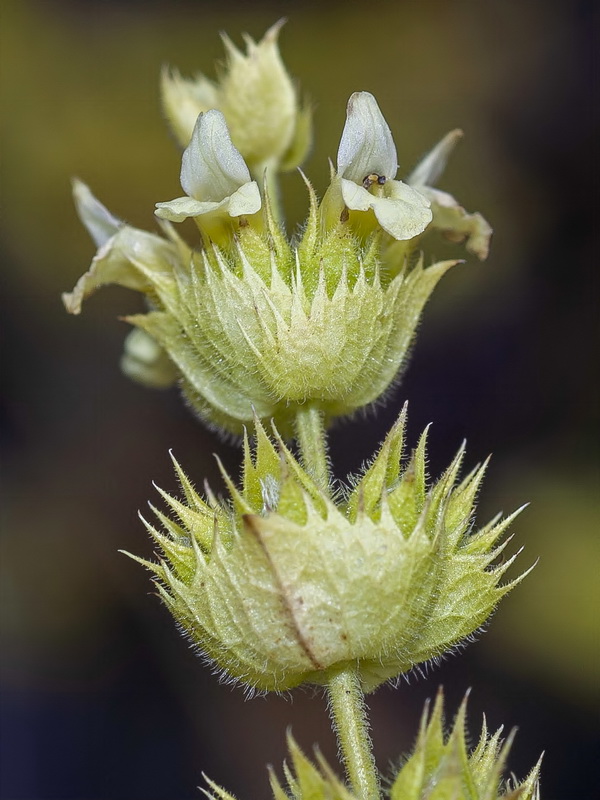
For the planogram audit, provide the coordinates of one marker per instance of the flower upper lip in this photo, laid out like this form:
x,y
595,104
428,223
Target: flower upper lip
x,y
366,145
101,224
214,175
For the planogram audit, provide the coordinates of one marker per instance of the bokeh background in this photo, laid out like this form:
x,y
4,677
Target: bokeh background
x,y
101,698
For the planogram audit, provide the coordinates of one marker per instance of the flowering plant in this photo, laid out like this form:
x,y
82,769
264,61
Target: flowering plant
x,y
292,579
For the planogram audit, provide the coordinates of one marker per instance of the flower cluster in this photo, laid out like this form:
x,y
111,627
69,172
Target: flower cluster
x,y
252,322
439,768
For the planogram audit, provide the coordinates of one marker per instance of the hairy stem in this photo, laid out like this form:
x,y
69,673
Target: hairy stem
x,y
347,705
310,434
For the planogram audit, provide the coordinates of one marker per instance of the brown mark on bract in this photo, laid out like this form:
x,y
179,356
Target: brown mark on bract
x,y
250,521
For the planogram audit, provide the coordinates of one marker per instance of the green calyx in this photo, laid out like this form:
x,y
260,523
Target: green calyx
x,y
442,768
284,584
439,768
259,325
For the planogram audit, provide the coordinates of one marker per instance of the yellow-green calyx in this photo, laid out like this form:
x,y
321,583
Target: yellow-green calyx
x,y
259,324
284,584
440,768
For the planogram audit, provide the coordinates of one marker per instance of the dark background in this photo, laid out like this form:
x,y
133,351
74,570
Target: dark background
x,y
101,697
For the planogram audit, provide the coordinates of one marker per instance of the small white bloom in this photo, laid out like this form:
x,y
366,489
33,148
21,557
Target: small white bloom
x,y
214,176
448,215
366,166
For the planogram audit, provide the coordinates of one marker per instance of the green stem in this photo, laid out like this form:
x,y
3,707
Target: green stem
x,y
348,709
310,434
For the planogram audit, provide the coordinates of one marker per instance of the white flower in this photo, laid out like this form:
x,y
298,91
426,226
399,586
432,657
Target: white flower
x,y
448,215
366,166
214,176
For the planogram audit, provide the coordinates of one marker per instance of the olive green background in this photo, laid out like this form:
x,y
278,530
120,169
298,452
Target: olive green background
x,y
101,698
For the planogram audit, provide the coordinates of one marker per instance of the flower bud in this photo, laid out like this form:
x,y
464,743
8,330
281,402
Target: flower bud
x,y
146,362
258,99
284,585
262,326
444,761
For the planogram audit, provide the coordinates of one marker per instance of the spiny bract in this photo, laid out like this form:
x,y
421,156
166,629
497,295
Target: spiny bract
x,y
284,583
439,768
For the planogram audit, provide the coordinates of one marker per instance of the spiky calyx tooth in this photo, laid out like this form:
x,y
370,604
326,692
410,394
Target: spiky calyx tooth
x,y
282,583
439,768
256,323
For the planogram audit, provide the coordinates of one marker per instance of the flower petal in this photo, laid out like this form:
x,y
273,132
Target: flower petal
x,y
183,207
246,200
131,258
458,225
429,169
366,145
212,169
98,220
404,213
355,196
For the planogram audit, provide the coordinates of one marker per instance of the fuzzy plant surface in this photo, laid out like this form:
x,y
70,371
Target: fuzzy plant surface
x,y
440,767
286,582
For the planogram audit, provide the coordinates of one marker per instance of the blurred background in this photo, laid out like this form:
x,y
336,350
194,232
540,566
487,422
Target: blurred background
x,y
101,697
